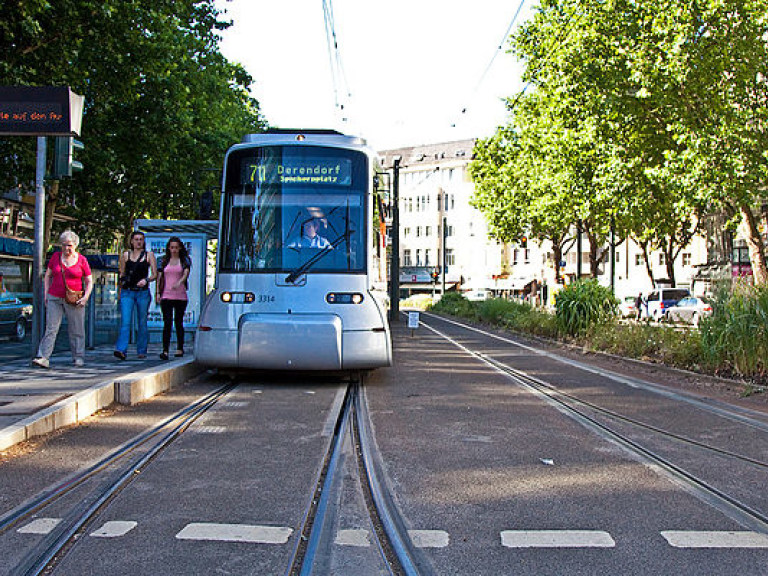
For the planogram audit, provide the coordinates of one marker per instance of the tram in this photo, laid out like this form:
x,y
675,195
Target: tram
x,y
301,278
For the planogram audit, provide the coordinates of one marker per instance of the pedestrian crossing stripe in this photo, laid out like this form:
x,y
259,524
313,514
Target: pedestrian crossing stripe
x,y
256,534
235,533
715,539
556,539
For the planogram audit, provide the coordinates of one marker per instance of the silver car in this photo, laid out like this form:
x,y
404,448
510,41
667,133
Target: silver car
x,y
690,310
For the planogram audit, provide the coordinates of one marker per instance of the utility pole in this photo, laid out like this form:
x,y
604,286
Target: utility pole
x,y
394,278
445,258
578,249
38,258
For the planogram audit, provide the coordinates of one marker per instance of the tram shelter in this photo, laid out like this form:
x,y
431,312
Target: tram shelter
x,y
196,236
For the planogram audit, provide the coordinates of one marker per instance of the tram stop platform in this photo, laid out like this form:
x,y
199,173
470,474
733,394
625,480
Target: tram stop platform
x,y
35,401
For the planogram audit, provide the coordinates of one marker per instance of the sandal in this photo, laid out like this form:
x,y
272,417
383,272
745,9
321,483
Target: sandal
x,y
164,355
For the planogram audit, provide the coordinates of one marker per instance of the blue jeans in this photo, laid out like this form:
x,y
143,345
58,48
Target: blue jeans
x,y
140,300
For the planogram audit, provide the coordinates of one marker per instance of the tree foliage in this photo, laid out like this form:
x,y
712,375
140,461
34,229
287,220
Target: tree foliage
x,y
161,102
646,114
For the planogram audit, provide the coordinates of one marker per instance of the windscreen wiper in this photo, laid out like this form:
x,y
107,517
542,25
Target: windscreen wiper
x,y
317,257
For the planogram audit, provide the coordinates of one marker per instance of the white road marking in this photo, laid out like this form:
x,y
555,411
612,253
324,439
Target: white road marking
x,y
209,429
429,538
353,537
715,539
556,539
235,533
39,526
114,529
234,404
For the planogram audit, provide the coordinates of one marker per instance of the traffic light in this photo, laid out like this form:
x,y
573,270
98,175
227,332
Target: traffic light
x,y
524,242
64,163
435,274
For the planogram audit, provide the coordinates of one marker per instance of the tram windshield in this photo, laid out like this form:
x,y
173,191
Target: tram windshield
x,y
294,209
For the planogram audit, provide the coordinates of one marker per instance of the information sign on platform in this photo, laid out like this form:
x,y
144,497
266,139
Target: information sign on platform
x,y
40,111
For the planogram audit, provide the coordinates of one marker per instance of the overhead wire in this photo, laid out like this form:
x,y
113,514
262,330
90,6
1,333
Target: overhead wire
x,y
496,52
338,76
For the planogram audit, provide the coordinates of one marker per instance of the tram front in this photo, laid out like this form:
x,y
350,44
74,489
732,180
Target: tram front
x,y
296,282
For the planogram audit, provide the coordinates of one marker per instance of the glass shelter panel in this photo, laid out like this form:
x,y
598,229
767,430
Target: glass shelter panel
x,y
289,208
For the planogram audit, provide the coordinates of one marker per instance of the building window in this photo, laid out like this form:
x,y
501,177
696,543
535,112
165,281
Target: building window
x,y
639,260
686,258
449,230
450,258
418,257
427,230
406,232
661,259
426,257
418,231
406,258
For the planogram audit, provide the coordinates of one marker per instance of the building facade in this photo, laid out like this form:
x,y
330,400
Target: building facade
x,y
445,241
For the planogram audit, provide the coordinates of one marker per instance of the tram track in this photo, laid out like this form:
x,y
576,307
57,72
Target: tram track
x,y
395,550
585,413
43,557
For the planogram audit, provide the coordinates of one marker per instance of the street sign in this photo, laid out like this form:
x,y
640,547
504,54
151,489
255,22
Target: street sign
x,y
413,320
40,111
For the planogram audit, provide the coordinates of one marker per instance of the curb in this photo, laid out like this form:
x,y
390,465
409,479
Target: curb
x,y
128,389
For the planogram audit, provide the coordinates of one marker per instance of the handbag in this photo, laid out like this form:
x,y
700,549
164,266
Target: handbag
x,y
70,296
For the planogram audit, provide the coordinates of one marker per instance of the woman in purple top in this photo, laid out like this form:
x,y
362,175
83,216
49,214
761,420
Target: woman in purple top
x,y
172,293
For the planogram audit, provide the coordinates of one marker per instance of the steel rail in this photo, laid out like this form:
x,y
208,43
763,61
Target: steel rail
x,y
50,549
737,414
733,508
50,495
389,517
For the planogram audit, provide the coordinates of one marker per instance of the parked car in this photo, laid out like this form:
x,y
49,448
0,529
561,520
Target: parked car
x,y
689,310
661,300
15,317
627,307
478,295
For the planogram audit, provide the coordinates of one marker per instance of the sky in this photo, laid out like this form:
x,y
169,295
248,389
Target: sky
x,y
405,72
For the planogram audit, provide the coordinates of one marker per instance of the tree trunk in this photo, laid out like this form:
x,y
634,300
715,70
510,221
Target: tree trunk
x,y
755,245
648,267
669,262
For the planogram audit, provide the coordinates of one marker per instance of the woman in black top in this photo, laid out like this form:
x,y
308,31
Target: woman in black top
x,y
137,269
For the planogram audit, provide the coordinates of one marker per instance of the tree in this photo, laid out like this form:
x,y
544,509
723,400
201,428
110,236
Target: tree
x,y
161,101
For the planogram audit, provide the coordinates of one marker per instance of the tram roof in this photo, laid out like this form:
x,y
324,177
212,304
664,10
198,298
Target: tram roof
x,y
179,227
307,137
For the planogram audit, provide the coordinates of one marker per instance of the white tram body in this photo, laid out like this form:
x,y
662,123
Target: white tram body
x,y
300,282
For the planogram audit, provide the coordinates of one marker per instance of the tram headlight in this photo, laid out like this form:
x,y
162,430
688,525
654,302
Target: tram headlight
x,y
238,297
344,298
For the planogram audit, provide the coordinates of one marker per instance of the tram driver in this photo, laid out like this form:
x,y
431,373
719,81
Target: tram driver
x,y
310,238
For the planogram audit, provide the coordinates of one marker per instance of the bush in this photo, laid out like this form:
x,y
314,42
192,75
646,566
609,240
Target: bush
x,y
582,305
736,335
455,304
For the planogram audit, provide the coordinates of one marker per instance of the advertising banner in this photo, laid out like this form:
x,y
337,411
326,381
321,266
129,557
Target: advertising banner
x,y
196,246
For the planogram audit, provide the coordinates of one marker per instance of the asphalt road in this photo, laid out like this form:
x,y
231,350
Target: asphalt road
x,y
490,477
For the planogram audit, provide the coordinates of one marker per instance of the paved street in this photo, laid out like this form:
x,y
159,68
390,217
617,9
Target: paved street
x,y
487,475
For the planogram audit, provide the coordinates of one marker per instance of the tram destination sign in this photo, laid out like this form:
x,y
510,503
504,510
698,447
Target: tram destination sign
x,y
313,171
40,111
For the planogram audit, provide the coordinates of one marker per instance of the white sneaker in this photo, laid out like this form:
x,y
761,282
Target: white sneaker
x,y
42,362
79,362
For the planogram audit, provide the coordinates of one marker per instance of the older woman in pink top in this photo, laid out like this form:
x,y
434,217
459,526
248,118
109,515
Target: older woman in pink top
x,y
70,267
172,293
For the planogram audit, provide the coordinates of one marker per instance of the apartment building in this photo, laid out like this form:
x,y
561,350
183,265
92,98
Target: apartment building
x,y
435,194
439,230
